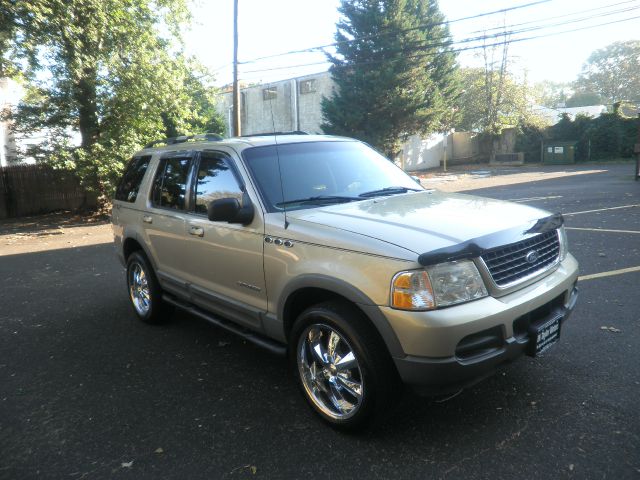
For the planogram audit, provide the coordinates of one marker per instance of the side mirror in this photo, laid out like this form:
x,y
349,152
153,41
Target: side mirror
x,y
416,179
229,210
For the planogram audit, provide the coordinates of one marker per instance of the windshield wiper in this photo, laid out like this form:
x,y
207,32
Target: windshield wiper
x,y
319,199
389,191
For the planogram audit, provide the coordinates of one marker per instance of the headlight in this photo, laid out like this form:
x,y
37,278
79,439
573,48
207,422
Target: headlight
x,y
437,286
564,245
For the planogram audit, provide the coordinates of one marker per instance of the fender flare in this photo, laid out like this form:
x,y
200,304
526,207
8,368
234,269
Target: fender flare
x,y
351,293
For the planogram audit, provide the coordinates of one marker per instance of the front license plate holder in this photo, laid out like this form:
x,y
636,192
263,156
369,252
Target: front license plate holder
x,y
542,336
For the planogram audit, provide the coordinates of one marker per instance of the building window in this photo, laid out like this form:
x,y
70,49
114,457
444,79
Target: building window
x,y
307,86
270,93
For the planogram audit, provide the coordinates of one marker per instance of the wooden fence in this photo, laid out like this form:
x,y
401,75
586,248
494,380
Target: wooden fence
x,y
33,189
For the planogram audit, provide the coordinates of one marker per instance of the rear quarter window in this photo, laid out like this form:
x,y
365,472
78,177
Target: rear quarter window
x,y
127,189
169,188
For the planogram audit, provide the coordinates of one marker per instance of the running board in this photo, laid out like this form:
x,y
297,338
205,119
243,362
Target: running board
x,y
255,338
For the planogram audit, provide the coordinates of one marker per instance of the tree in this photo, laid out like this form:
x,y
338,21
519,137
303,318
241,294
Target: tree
x,y
613,72
551,94
584,99
111,73
483,110
394,71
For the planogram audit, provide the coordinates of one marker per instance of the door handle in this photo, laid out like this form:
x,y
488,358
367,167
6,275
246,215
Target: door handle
x,y
147,219
197,231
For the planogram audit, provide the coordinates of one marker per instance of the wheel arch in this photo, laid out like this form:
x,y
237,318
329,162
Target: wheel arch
x,y
309,290
131,244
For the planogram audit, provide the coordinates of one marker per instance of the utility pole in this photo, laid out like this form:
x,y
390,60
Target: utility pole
x,y
636,150
236,89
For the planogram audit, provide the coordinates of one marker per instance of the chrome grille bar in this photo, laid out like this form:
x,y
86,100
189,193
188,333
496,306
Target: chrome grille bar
x,y
509,263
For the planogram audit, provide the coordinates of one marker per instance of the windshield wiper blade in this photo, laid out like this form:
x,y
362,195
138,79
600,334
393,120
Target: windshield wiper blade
x,y
319,199
389,191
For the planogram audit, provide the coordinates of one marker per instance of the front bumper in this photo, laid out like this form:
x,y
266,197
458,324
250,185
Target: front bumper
x,y
455,347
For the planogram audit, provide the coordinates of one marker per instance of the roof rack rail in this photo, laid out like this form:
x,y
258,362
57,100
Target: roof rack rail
x,y
201,137
270,134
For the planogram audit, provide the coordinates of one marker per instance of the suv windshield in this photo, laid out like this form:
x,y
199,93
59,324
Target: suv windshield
x,y
320,173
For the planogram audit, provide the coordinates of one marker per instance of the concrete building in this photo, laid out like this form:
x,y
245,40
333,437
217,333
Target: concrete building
x,y
296,104
287,105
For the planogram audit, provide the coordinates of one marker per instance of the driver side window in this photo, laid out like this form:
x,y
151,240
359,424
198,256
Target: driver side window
x,y
215,180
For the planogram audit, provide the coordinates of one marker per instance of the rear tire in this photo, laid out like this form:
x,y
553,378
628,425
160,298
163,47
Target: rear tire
x,y
144,290
342,366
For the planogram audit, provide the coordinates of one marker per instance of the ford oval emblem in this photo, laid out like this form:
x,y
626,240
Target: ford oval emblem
x,y
531,256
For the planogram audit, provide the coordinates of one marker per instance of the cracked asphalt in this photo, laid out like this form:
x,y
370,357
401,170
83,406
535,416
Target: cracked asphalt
x,y
86,391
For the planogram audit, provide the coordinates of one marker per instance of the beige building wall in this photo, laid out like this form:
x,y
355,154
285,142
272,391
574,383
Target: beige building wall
x,y
288,105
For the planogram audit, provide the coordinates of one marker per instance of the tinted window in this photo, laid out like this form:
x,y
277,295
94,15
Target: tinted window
x,y
316,169
127,189
171,182
215,180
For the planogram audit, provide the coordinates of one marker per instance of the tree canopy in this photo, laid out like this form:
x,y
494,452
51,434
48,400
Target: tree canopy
x,y
394,70
583,99
551,94
613,72
488,105
110,72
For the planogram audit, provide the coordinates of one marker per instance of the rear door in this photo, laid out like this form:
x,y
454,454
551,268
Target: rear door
x,y
225,259
165,219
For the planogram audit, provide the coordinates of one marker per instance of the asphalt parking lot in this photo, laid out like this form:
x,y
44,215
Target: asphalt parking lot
x,y
88,392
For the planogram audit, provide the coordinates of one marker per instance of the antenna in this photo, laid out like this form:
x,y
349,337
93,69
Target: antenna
x,y
275,138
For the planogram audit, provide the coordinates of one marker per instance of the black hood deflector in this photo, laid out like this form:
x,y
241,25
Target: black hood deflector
x,y
480,245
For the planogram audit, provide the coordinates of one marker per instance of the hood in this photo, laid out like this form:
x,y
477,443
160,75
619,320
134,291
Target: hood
x,y
423,221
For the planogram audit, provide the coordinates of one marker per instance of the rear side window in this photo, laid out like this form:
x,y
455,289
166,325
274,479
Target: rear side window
x,y
215,180
169,187
127,190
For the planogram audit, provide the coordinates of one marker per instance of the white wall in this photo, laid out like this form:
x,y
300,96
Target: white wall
x,y
10,94
422,154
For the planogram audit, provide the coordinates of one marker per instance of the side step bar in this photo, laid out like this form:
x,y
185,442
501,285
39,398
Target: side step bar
x,y
255,338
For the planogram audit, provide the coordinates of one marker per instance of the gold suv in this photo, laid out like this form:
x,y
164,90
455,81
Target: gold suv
x,y
320,248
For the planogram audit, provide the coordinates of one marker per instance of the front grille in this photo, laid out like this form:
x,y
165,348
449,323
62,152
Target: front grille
x,y
508,264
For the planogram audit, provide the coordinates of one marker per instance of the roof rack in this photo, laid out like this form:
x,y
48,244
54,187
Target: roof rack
x,y
201,137
270,134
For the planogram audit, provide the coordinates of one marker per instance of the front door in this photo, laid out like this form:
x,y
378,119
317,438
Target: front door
x,y
226,271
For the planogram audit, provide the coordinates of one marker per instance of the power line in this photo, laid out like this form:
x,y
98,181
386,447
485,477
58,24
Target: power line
x,y
395,32
478,38
464,41
455,50
555,17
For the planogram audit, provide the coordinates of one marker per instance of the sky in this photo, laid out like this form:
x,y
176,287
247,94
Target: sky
x,y
268,27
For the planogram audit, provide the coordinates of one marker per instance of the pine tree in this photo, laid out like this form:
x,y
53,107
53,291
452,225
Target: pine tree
x,y
394,70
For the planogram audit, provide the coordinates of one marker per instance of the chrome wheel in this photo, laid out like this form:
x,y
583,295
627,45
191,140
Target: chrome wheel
x,y
139,289
330,372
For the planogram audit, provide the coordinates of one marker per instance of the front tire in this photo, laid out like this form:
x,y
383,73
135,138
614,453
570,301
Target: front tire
x,y
342,366
144,290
